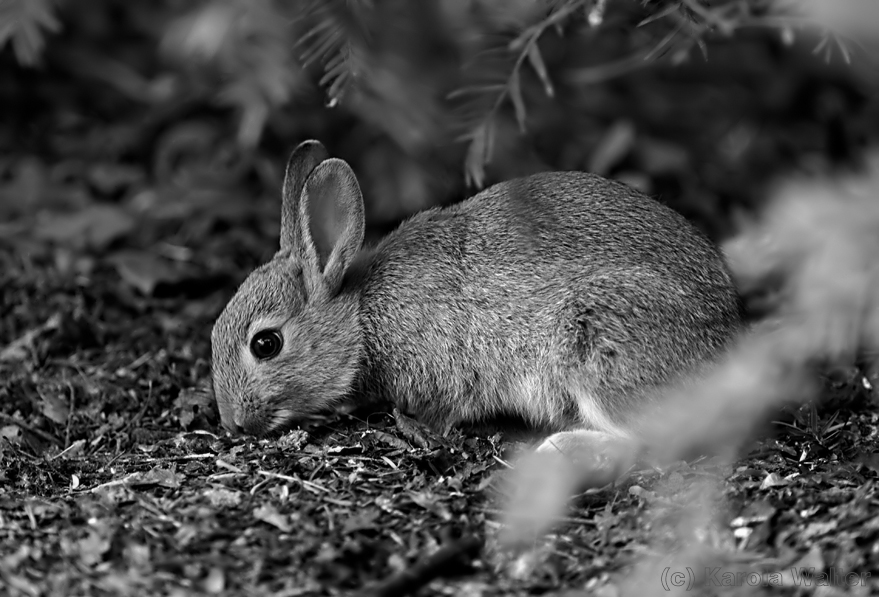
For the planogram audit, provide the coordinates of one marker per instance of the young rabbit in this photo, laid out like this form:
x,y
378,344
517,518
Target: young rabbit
x,y
561,298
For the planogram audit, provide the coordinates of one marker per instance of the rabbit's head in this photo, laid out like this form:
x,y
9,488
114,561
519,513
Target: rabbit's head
x,y
288,345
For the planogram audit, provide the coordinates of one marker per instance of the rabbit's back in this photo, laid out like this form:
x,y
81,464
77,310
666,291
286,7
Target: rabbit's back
x,y
561,297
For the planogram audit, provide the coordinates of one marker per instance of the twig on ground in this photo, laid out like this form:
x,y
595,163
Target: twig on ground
x,y
313,487
22,425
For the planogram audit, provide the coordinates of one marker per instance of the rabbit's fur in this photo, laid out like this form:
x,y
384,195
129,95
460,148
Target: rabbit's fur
x,y
562,298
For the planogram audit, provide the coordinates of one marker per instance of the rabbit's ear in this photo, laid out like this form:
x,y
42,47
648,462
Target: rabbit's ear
x,y
303,160
333,221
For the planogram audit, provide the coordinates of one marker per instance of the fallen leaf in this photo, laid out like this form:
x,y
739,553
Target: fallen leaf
x,y
19,349
54,409
155,476
773,480
92,548
638,491
145,271
362,521
816,529
223,498
391,440
203,205
869,460
269,514
754,512
196,402
10,434
95,227
431,502
215,582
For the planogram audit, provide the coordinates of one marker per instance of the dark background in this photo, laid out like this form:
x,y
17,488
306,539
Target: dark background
x,y
141,155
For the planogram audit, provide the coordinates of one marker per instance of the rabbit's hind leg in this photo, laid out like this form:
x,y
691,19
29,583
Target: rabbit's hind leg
x,y
598,444
595,458
544,480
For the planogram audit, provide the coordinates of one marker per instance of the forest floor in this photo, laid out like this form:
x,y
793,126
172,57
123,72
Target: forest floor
x,y
116,478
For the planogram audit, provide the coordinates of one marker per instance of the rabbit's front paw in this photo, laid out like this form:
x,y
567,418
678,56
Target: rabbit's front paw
x,y
417,433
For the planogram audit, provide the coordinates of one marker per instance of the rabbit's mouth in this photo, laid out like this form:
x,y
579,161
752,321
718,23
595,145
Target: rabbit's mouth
x,y
257,424
283,419
264,423
276,419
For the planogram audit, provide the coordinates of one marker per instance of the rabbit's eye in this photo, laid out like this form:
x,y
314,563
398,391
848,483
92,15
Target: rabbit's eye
x,y
266,344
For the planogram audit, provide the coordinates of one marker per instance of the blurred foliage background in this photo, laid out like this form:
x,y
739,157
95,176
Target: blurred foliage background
x,y
141,155
190,108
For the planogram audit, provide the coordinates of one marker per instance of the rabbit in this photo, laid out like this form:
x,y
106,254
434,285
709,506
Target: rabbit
x,y
563,299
